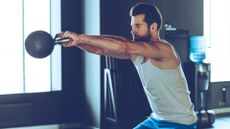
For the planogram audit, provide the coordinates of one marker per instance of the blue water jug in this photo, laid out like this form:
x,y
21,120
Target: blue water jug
x,y
197,48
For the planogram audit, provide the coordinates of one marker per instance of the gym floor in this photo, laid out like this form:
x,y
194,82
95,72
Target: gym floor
x,y
221,122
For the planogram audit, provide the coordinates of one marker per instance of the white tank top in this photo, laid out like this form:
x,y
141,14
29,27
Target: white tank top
x,y
167,92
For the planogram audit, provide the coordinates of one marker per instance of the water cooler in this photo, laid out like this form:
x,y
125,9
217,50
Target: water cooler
x,y
200,80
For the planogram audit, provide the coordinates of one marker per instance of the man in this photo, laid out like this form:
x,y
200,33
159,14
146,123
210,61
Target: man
x,y
157,64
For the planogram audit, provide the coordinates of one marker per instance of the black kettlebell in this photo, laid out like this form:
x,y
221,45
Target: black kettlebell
x,y
40,44
205,118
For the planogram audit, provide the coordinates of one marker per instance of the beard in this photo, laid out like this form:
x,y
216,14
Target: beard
x,y
142,38
145,38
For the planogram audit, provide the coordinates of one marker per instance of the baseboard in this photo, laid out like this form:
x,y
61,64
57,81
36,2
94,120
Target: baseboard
x,y
76,126
222,111
88,127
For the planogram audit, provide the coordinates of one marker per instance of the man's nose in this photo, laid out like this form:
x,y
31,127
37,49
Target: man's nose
x,y
133,31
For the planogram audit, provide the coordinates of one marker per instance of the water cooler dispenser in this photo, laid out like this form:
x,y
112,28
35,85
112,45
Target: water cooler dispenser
x,y
198,76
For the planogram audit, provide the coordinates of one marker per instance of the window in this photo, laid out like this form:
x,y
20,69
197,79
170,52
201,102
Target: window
x,y
19,72
217,31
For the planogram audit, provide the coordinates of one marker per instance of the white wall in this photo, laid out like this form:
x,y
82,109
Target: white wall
x,y
92,63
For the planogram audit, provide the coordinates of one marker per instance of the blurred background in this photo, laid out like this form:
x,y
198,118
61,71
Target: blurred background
x,y
72,89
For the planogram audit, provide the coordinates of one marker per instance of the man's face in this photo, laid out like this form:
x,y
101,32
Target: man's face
x,y
140,30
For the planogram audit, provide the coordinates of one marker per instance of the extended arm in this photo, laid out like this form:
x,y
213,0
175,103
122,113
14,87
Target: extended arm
x,y
117,47
104,45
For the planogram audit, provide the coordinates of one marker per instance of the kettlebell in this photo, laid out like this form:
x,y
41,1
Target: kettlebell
x,y
40,44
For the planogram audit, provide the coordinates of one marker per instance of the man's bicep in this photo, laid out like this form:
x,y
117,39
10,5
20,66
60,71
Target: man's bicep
x,y
115,37
145,50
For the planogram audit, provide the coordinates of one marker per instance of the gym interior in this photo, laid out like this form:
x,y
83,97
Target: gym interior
x,y
100,92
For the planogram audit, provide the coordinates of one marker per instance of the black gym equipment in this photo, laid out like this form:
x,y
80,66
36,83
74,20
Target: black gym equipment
x,y
205,117
40,44
198,77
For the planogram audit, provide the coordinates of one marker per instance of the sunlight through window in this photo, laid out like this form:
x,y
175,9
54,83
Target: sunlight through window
x,y
21,73
217,31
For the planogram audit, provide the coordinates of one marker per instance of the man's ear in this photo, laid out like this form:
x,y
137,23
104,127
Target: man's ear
x,y
153,27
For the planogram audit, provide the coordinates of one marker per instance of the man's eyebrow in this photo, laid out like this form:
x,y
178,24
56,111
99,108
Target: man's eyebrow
x,y
136,24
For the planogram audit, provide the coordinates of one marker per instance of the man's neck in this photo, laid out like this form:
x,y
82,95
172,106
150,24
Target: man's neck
x,y
155,38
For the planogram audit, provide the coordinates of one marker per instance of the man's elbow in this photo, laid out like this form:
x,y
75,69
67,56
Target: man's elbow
x,y
126,50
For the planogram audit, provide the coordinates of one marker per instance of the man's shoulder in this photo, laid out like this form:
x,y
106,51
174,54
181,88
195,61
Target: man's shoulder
x,y
164,45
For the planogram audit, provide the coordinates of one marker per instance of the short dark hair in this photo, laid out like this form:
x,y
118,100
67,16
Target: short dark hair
x,y
151,12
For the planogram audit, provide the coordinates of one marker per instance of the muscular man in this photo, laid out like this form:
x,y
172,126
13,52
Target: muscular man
x,y
157,63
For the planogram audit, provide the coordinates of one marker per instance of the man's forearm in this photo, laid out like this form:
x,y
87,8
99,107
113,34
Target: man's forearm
x,y
91,49
107,45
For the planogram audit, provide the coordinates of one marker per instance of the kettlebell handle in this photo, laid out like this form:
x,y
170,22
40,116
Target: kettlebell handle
x,y
58,40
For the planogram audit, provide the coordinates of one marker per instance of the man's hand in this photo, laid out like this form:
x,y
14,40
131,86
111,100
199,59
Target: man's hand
x,y
74,38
